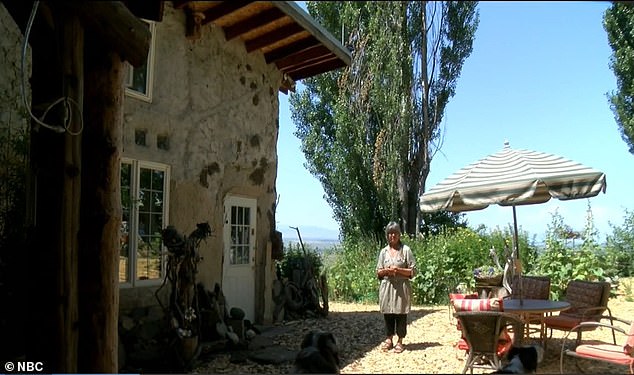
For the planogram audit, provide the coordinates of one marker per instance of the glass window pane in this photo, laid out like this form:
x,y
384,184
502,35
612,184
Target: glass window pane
x,y
144,201
157,201
245,254
139,80
157,180
145,178
124,246
156,225
124,251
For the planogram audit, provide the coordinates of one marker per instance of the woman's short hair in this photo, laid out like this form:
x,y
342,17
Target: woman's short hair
x,y
392,227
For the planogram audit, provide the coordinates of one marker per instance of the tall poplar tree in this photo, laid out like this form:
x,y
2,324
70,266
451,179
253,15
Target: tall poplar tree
x,y
369,131
618,22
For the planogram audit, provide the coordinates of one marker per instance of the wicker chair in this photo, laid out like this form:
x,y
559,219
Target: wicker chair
x,y
601,351
533,287
588,302
487,337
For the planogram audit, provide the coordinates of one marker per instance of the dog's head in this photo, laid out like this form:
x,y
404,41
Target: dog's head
x,y
318,354
522,360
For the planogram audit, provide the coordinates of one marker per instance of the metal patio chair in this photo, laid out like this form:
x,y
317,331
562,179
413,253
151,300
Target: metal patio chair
x,y
600,351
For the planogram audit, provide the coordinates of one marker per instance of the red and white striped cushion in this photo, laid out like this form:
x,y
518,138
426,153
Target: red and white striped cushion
x,y
487,304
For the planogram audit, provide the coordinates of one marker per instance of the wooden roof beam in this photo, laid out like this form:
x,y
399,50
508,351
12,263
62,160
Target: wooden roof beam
x,y
273,36
315,69
316,52
222,9
318,31
300,64
298,45
253,22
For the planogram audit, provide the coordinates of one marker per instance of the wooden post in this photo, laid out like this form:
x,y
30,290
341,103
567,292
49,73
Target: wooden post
x,y
101,209
72,84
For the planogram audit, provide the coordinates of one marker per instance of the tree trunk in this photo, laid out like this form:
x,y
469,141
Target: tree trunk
x,y
101,209
72,70
53,306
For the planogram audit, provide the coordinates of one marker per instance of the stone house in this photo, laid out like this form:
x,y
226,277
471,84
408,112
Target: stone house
x,y
200,128
203,121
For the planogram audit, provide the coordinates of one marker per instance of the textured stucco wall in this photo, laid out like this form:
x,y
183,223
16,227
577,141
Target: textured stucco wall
x,y
11,104
218,106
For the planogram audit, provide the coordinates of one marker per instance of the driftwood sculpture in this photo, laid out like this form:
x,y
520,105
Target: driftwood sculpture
x,y
183,308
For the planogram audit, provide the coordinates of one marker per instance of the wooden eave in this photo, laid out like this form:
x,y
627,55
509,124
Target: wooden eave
x,y
284,33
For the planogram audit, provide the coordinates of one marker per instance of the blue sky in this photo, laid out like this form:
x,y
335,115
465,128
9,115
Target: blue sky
x,y
537,77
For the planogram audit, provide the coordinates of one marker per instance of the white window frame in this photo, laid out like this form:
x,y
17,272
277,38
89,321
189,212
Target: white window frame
x,y
133,225
147,96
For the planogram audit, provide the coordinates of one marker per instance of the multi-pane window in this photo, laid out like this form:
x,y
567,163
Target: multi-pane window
x,y
144,202
240,235
139,79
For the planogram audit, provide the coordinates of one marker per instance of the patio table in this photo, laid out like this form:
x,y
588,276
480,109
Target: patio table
x,y
533,306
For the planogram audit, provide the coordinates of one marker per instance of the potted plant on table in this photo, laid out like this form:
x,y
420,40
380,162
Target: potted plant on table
x,y
487,276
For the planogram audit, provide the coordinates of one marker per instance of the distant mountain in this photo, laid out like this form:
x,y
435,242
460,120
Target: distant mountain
x,y
308,233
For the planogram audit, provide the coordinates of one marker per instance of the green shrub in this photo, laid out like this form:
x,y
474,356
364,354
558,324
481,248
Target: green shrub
x,y
620,246
352,277
294,259
443,262
564,262
448,259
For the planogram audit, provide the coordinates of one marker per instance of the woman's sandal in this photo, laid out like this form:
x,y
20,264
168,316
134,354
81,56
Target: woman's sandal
x,y
399,348
387,345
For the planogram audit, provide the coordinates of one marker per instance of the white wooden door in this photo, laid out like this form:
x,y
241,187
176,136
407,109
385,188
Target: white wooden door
x,y
238,274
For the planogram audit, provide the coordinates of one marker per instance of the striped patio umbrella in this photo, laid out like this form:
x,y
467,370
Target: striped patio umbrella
x,y
513,178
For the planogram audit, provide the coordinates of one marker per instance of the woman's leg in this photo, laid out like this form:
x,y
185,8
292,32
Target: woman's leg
x,y
401,326
401,331
390,323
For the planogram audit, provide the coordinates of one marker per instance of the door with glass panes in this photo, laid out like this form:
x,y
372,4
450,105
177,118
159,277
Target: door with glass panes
x,y
238,280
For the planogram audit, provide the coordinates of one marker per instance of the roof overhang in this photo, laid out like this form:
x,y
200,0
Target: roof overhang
x,y
283,32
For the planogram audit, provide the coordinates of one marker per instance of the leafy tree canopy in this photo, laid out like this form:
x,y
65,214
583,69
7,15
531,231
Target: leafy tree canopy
x,y
369,131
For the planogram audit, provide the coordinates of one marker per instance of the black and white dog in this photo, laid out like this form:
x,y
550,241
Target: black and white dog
x,y
522,360
318,354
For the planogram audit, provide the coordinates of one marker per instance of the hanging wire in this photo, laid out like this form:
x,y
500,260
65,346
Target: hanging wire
x,y
67,102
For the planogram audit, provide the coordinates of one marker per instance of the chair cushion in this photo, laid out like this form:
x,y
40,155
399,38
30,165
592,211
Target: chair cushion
x,y
628,348
459,296
462,344
606,352
455,296
561,322
487,304
504,343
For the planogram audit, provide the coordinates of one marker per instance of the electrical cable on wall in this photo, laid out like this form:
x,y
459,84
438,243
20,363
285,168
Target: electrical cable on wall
x,y
68,102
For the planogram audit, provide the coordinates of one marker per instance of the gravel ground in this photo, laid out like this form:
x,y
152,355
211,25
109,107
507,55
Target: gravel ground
x,y
429,345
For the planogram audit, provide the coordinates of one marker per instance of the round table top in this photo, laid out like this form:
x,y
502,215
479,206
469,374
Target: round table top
x,y
534,305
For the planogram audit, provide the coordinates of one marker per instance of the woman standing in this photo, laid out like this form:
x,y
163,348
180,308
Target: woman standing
x,y
395,268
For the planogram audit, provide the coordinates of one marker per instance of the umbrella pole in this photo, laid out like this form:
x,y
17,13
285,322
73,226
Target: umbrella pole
x,y
517,255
